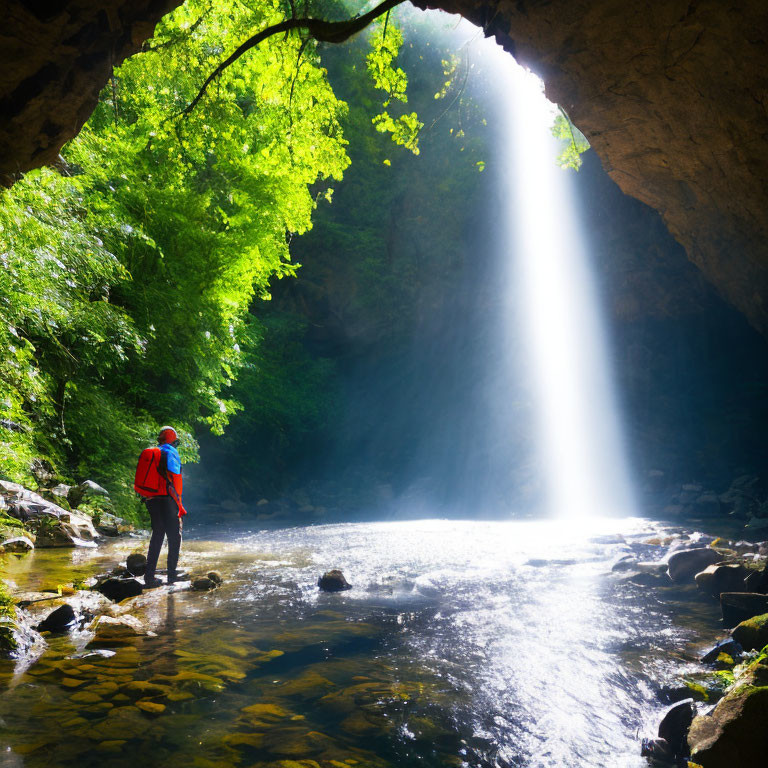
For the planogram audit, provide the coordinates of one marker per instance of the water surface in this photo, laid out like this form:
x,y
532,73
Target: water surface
x,y
462,643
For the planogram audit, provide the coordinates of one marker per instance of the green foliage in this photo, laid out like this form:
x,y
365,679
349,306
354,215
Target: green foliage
x,y
126,283
386,41
575,142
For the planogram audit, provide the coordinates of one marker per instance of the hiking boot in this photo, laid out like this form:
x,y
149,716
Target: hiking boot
x,y
152,583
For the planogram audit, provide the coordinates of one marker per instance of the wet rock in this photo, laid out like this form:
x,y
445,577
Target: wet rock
x,y
117,589
740,606
215,577
684,565
19,544
58,620
643,579
752,634
734,733
715,579
116,629
624,563
203,584
72,531
674,726
333,581
136,563
728,646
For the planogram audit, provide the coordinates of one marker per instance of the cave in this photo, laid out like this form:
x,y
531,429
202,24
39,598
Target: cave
x,y
673,97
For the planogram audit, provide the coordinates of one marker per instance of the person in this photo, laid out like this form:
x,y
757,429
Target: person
x,y
166,509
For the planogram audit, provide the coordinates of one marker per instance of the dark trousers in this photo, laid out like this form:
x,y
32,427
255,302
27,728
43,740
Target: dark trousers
x,y
165,523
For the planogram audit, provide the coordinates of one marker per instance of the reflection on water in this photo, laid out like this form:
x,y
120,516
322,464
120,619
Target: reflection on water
x,y
462,643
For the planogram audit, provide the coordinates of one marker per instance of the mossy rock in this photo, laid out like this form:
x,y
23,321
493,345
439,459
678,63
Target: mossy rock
x,y
752,634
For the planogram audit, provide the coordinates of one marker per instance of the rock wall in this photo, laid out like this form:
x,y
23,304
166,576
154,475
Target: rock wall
x,y
55,57
673,97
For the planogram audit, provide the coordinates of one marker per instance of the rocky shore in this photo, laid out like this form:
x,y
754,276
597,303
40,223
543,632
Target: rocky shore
x,y
716,717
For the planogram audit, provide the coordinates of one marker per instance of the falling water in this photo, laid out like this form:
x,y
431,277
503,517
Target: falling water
x,y
553,299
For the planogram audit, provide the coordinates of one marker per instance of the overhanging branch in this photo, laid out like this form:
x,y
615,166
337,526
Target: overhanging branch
x,y
319,29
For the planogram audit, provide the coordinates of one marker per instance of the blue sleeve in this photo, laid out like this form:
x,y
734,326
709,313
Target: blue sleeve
x,y
173,462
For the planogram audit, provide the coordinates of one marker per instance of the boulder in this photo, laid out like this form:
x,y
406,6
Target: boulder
x,y
203,584
333,581
58,620
752,634
684,565
734,733
215,577
715,579
117,589
673,728
18,544
136,563
740,606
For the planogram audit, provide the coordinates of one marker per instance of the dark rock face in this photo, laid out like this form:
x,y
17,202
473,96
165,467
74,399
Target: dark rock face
x,y
741,606
333,581
58,620
683,566
734,733
119,589
56,57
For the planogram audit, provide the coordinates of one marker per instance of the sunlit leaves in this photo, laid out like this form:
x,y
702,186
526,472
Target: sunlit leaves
x,y
386,41
575,142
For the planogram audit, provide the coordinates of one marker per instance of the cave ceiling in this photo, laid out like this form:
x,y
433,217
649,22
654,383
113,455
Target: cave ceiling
x,y
672,95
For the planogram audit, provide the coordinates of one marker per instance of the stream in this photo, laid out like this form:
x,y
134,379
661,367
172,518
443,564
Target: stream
x,y
461,644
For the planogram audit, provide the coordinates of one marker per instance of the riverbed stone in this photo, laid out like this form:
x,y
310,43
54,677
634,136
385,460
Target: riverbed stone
x,y
58,620
684,565
136,563
117,589
752,634
740,606
203,584
333,581
215,577
119,629
715,579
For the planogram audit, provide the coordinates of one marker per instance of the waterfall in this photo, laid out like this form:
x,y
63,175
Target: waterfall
x,y
552,301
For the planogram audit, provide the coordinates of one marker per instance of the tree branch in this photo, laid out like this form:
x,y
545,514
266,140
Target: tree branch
x,y
323,31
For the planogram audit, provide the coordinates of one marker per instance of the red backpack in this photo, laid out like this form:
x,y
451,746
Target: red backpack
x,y
148,481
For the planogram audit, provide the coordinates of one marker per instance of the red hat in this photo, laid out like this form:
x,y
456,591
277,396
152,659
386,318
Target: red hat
x,y
167,435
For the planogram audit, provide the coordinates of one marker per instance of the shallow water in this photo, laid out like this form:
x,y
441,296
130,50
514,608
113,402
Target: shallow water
x,y
462,643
